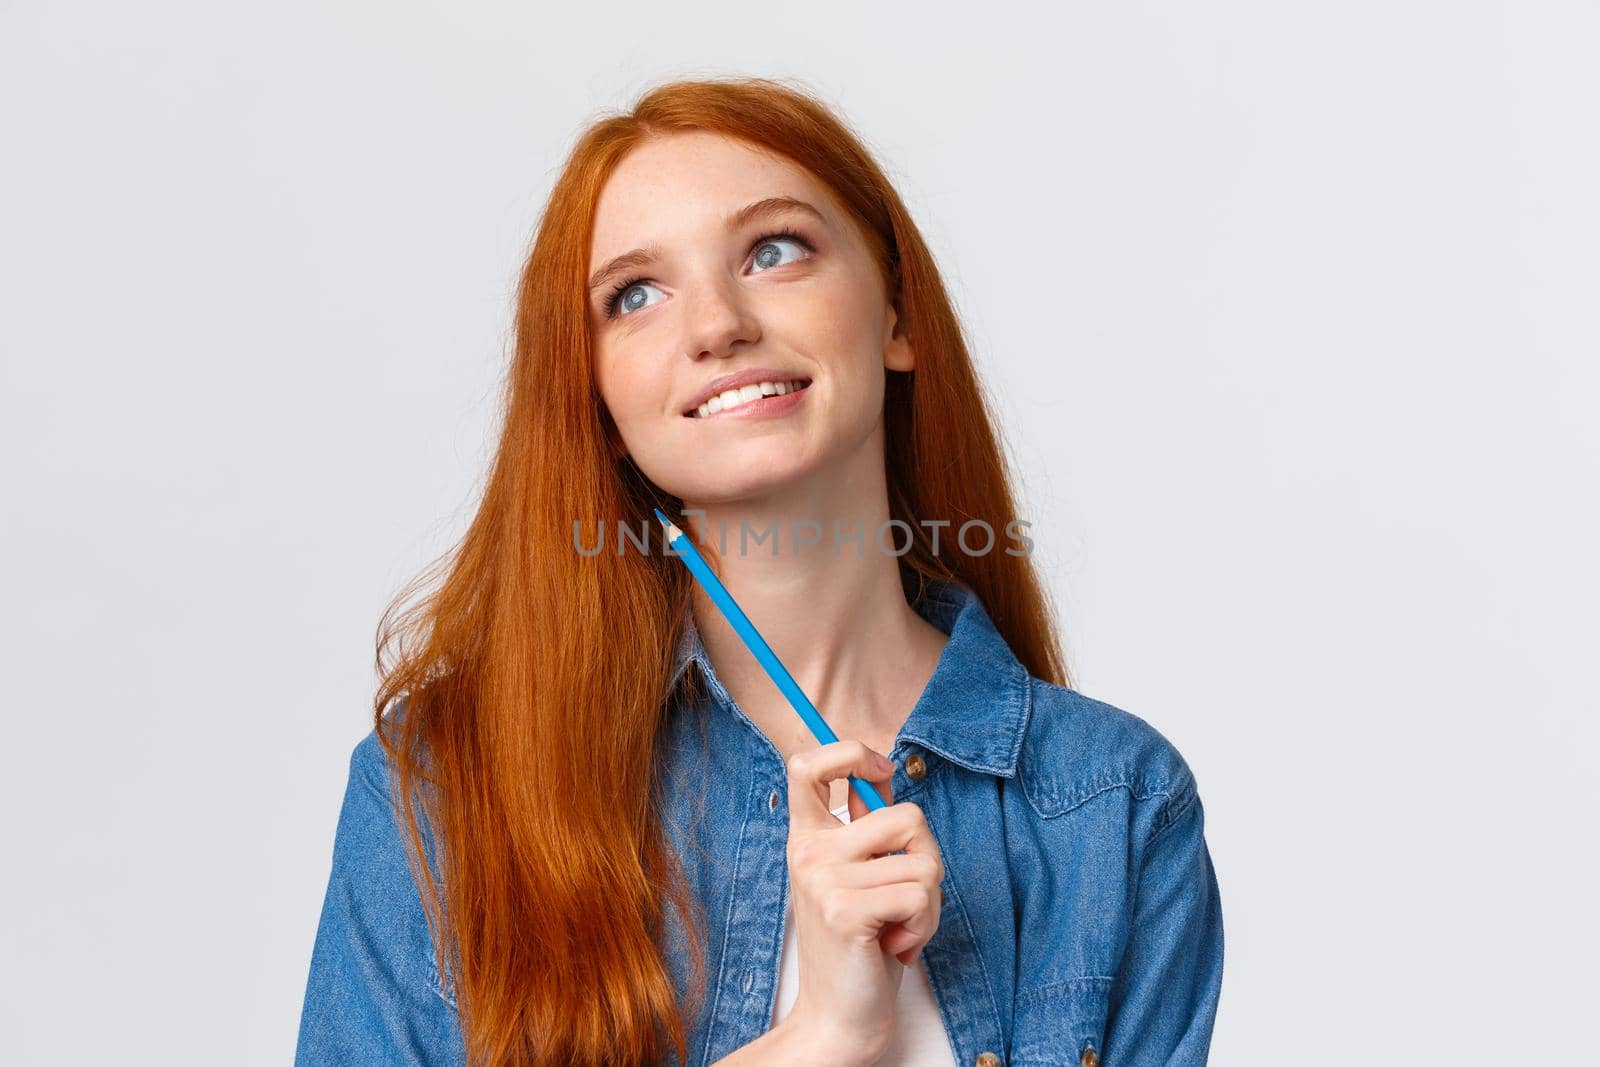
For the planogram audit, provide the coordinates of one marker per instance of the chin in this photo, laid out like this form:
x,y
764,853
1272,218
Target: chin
x,y
750,482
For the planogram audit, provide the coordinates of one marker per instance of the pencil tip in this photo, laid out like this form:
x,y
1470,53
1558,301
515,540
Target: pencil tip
x,y
672,530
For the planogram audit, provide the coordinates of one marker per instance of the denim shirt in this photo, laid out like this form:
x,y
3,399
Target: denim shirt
x,y
1081,919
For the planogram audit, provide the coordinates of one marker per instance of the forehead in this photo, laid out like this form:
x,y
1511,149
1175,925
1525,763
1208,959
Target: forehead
x,y
686,183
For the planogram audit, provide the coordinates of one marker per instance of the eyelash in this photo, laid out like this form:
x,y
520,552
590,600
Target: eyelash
x,y
621,287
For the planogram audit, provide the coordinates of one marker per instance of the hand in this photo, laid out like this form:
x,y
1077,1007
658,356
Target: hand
x,y
862,914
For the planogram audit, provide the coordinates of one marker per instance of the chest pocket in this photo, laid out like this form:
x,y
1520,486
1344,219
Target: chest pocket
x,y
1062,1024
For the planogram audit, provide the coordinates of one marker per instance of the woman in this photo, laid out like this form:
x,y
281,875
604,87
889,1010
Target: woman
x,y
586,829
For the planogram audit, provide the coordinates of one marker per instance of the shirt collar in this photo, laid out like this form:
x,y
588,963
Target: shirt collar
x,y
975,707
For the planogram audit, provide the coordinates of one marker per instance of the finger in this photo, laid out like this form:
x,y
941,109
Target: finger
x,y
858,807
903,939
916,867
899,827
908,904
810,772
899,941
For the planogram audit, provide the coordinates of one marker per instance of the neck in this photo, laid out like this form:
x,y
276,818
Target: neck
x,y
833,611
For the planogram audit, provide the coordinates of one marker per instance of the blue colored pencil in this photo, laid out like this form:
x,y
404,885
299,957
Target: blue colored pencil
x,y
758,647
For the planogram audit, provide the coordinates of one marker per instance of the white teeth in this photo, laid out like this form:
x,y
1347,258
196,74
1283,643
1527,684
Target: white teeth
x,y
734,398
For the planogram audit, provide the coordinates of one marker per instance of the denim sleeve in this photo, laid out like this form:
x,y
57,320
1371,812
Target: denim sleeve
x,y
373,995
1163,1000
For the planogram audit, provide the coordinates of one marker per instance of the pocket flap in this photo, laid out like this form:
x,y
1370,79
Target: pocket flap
x,y
1054,1023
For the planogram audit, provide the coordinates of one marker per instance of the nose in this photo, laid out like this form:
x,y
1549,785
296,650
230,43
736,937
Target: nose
x,y
720,319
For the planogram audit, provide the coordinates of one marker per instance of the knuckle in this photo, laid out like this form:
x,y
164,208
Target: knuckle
x,y
909,816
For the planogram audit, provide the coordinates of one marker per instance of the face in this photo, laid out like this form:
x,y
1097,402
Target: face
x,y
750,272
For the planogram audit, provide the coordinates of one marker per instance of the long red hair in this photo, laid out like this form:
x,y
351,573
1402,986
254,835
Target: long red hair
x,y
523,750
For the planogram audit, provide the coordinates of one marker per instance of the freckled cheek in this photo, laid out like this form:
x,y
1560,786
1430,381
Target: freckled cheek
x,y
642,413
632,399
834,324
849,337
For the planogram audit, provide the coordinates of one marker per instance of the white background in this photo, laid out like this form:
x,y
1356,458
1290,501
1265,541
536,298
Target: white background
x,y
1289,312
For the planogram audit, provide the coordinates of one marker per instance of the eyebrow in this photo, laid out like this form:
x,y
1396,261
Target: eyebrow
x,y
760,209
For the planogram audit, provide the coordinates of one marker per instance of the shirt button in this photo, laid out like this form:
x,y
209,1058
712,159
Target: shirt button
x,y
988,1059
1089,1058
772,801
917,769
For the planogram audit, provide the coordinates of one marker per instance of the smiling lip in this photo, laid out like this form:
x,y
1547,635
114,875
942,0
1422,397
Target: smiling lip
x,y
777,404
753,376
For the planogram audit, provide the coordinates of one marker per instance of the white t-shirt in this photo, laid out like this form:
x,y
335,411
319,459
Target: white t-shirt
x,y
919,1038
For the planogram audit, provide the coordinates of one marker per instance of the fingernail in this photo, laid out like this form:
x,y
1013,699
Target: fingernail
x,y
885,763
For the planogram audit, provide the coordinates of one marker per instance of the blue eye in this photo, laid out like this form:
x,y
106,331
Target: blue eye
x,y
622,299
628,296
766,257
